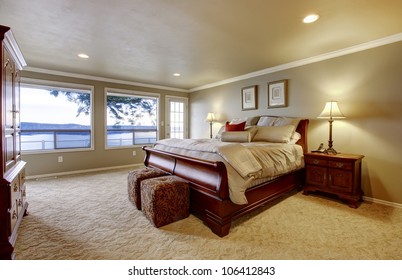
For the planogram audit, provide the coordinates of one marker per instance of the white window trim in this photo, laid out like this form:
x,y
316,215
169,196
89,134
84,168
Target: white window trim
x,y
64,86
125,92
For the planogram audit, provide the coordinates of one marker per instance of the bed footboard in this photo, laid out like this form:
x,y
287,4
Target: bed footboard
x,y
207,176
209,191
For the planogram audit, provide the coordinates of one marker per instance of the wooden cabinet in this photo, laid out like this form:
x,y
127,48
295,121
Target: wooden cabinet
x,y
13,204
335,174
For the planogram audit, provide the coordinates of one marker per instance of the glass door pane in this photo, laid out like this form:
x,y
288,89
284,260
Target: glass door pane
x,y
176,117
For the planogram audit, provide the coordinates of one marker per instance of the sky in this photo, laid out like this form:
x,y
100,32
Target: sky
x,y
38,105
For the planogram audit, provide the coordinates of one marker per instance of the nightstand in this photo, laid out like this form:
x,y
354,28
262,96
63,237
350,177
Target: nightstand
x,y
338,174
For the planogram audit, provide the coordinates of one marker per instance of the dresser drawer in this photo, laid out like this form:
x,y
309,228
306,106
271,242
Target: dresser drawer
x,y
15,191
340,165
22,176
13,215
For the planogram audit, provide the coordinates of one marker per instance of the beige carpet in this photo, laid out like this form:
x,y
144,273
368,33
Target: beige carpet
x,y
89,217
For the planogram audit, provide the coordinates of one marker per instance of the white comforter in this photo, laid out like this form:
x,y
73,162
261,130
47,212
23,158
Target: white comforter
x,y
248,164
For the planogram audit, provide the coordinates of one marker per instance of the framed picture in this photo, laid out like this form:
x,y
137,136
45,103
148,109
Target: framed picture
x,y
277,94
249,98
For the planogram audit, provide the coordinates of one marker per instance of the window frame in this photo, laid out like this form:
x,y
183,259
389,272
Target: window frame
x,y
47,84
130,93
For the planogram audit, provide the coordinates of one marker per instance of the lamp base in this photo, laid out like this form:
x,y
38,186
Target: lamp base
x,y
330,151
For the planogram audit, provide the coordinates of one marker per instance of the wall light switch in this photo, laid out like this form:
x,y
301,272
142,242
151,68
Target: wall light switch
x,y
60,159
134,153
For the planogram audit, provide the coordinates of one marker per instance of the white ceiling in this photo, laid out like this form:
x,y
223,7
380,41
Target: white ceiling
x,y
207,41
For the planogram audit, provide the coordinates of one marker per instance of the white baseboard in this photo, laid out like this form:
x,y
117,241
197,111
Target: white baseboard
x,y
384,202
83,171
365,198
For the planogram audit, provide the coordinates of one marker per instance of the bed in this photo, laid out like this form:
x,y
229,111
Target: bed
x,y
211,195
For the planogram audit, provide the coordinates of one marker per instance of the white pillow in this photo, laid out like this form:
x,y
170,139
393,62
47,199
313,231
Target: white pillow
x,y
295,137
235,136
219,134
266,121
275,134
281,121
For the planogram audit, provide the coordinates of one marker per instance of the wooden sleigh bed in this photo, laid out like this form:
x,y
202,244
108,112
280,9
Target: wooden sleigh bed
x,y
209,190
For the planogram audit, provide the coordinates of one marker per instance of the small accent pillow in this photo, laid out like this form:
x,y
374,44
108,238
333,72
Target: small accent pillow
x,y
275,134
236,136
235,127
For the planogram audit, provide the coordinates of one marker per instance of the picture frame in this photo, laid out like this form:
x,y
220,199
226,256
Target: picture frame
x,y
249,98
277,94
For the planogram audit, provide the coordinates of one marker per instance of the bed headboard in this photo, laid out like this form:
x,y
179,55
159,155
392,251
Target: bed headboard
x,y
302,128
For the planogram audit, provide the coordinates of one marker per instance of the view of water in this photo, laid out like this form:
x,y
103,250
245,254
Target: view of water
x,y
48,140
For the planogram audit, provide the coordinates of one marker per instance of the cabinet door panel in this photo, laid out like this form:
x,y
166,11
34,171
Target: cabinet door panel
x,y
340,180
8,68
317,176
9,150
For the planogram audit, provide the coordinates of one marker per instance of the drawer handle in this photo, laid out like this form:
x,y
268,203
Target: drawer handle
x,y
15,188
15,216
339,164
19,202
316,161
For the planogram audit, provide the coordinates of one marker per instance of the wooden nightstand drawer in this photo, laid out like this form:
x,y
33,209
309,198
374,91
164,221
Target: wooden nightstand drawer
x,y
316,161
340,164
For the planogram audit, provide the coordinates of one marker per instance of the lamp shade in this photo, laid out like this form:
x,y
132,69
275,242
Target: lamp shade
x,y
331,111
210,117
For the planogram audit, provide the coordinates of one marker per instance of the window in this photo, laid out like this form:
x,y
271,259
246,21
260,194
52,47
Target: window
x,y
131,119
55,117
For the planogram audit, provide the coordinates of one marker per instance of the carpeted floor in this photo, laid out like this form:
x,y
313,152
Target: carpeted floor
x,y
89,217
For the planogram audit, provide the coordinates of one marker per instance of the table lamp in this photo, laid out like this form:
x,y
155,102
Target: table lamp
x,y
331,111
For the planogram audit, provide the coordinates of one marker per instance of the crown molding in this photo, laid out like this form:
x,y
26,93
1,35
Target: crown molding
x,y
15,52
357,48
101,79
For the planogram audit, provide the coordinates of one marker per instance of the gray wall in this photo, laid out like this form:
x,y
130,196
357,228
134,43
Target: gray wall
x,y
46,163
368,88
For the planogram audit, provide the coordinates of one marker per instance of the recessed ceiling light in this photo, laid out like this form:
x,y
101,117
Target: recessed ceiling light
x,y
83,55
311,18
176,74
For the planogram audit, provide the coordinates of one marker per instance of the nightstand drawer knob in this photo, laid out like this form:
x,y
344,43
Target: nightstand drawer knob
x,y
339,164
316,161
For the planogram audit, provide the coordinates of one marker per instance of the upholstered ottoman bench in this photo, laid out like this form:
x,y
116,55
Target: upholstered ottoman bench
x,y
134,179
165,199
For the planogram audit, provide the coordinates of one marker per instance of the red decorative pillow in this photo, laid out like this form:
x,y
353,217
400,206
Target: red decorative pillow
x,y
235,127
